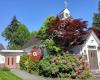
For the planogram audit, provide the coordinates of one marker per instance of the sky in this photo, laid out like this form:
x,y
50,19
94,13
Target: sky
x,y
33,13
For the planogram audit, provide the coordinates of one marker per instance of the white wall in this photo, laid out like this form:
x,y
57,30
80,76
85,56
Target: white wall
x,y
91,42
17,59
99,59
2,59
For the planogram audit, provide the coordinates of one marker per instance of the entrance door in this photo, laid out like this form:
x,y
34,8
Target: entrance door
x,y
93,60
10,61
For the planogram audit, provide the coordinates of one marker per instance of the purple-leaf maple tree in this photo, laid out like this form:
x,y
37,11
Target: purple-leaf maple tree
x,y
68,32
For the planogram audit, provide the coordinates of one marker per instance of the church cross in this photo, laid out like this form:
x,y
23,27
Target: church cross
x,y
65,4
99,6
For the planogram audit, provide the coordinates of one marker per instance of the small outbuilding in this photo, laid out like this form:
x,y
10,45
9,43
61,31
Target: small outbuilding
x,y
9,58
90,50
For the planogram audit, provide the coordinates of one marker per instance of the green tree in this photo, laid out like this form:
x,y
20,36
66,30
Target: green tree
x,y
33,33
96,19
10,29
16,34
42,32
45,35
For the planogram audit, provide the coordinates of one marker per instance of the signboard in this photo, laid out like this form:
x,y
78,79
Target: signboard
x,y
35,54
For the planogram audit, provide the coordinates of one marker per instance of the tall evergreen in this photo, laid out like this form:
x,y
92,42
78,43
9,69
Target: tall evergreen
x,y
96,19
16,34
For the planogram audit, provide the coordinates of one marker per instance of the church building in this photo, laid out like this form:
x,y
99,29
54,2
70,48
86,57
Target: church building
x,y
89,49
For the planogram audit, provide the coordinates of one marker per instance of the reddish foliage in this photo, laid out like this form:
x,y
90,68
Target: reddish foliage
x,y
35,54
70,30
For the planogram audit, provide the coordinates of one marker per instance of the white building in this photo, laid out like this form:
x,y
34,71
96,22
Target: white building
x,y
9,58
90,49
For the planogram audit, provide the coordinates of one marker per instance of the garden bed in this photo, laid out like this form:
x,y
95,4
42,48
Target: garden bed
x,y
66,66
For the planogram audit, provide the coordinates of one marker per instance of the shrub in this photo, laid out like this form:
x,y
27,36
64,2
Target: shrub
x,y
64,66
58,66
31,65
23,59
28,64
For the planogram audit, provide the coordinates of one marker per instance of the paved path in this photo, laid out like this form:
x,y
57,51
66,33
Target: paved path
x,y
97,77
26,76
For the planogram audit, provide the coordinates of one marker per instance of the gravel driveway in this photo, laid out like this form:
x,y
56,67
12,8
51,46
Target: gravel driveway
x,y
25,75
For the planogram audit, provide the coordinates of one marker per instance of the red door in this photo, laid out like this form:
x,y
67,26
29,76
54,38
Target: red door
x,y
10,61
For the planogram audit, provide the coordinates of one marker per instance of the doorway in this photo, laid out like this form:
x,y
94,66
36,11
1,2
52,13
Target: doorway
x,y
93,60
10,61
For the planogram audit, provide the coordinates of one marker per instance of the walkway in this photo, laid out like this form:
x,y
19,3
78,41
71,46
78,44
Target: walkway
x,y
97,77
26,76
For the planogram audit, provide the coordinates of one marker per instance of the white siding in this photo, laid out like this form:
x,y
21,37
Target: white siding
x,y
91,42
99,58
17,59
2,59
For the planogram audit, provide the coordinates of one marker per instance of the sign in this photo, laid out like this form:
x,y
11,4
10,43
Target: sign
x,y
35,54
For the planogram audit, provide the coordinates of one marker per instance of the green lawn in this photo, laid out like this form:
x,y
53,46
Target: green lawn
x,y
7,75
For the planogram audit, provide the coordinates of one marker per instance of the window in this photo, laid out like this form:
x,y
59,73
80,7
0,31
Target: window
x,y
91,54
91,47
8,60
92,41
66,14
12,60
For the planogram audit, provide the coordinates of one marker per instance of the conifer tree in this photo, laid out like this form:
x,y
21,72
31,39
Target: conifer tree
x,y
16,34
96,19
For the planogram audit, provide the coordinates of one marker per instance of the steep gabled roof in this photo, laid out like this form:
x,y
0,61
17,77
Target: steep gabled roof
x,y
65,13
97,32
95,35
92,31
34,41
77,49
1,47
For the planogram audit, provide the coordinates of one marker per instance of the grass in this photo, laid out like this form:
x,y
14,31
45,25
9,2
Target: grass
x,y
7,75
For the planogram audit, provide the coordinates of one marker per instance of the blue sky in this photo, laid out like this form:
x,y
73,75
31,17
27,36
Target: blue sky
x,y
32,13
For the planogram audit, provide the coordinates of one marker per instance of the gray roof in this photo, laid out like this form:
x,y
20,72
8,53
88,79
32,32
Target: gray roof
x,y
84,37
34,41
1,47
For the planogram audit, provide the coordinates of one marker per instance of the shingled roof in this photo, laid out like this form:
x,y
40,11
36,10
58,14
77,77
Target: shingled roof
x,y
86,35
1,47
34,41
